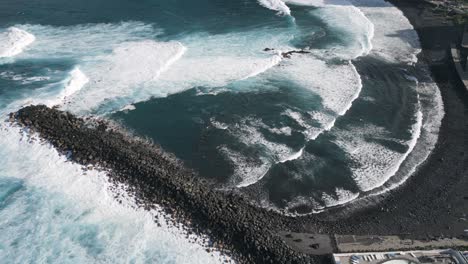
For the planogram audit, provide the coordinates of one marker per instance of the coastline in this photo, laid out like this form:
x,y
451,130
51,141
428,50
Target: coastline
x,y
433,201
236,227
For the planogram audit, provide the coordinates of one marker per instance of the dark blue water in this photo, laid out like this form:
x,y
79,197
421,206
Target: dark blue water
x,y
209,81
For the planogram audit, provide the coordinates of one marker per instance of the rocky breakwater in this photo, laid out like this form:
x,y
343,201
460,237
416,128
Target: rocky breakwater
x,y
155,178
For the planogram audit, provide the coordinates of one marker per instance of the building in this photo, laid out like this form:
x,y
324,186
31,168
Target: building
x,y
446,256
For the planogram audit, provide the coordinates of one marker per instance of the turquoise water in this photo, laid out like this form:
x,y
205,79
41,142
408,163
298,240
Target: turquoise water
x,y
351,116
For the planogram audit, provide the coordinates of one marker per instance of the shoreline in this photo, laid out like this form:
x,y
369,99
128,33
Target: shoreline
x,y
236,227
432,202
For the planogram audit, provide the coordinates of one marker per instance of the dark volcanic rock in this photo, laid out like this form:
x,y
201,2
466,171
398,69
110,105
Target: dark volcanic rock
x,y
157,178
289,53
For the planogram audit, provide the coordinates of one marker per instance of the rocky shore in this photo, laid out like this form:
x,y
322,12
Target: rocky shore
x,y
155,178
432,203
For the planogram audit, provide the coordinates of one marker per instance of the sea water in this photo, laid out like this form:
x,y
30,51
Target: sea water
x,y
350,116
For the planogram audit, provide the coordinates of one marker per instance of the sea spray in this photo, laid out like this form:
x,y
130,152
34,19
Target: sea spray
x,y
13,41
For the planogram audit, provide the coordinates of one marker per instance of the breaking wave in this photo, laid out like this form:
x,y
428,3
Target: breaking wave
x,y
13,41
84,42
77,80
356,29
381,168
57,206
337,85
396,41
117,65
344,17
375,163
431,104
125,70
276,5
263,67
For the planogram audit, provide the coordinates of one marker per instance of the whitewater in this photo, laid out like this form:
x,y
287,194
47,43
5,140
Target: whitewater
x,y
128,75
55,210
13,41
380,44
48,202
105,228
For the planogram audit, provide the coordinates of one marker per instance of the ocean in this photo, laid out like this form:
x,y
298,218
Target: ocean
x,y
302,105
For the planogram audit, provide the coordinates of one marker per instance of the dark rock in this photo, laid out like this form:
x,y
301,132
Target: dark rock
x,y
154,177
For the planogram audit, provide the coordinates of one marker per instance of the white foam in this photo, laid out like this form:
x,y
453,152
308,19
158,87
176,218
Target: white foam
x,y
76,199
280,131
276,5
341,197
215,61
342,16
246,171
262,67
77,80
415,134
22,78
423,140
118,59
298,201
337,85
127,232
248,132
396,41
128,75
396,168
13,41
51,98
374,163
86,41
249,170
212,71
311,131
129,107
119,74
354,28
294,156
431,105
319,3
218,125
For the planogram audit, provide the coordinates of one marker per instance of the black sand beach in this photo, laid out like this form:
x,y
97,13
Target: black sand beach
x,y
433,202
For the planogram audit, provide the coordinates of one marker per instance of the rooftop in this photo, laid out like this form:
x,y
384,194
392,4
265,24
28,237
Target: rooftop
x,y
445,256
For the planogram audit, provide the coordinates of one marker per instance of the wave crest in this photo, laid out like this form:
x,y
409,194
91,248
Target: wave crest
x,y
276,5
119,74
13,41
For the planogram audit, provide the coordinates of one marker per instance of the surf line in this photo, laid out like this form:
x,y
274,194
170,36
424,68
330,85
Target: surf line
x,y
166,182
